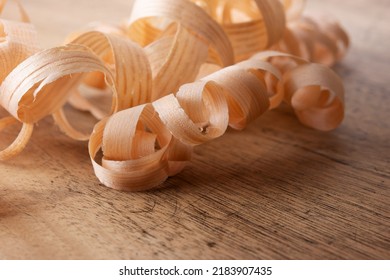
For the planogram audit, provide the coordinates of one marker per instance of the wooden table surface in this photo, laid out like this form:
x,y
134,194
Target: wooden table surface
x,y
277,190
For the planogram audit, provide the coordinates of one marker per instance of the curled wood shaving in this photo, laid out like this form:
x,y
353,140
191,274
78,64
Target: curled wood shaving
x,y
179,73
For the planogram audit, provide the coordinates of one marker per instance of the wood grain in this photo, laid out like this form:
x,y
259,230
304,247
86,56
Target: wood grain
x,y
277,190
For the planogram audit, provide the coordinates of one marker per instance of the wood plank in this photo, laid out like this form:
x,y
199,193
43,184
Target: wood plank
x,y
277,190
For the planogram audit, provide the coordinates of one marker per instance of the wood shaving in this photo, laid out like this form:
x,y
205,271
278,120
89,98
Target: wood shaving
x,y
179,73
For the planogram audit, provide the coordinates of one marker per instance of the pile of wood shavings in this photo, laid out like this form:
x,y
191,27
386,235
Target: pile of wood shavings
x,y
179,73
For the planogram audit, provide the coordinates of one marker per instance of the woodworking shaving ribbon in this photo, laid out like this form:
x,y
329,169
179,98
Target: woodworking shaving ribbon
x,y
179,73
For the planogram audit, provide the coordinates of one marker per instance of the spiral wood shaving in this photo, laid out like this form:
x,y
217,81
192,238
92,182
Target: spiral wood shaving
x,y
180,72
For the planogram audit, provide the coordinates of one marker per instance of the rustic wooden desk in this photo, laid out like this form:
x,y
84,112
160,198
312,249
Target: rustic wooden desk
x,y
277,190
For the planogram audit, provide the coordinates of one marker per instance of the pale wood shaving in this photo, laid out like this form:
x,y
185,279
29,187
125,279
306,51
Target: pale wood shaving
x,y
179,73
